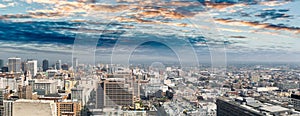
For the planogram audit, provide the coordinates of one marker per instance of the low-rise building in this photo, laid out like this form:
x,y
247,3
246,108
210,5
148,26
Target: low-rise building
x,y
26,107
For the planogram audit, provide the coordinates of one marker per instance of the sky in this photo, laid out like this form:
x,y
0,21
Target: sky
x,y
127,31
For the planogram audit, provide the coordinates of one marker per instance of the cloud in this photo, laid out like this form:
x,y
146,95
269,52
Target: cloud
x,y
2,6
258,25
273,3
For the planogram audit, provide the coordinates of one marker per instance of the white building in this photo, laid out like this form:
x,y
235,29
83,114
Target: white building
x,y
32,67
8,106
10,82
44,87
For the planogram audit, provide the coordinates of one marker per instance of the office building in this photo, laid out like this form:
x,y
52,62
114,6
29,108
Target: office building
x,y
26,107
2,92
8,80
32,67
65,67
75,64
45,65
44,87
14,65
1,63
228,108
77,94
25,92
58,65
136,87
24,65
8,108
4,69
68,108
114,92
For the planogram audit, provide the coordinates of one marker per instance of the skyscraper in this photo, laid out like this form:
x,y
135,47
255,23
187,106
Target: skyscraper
x,y
23,66
45,65
32,67
1,63
113,92
65,67
4,69
75,63
58,65
14,64
2,92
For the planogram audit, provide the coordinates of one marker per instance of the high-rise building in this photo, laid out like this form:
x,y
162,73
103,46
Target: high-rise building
x,y
8,106
114,92
23,66
4,69
58,65
1,63
136,88
65,67
14,65
32,67
2,92
77,93
75,64
45,65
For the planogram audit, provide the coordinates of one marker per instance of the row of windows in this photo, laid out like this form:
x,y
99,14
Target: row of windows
x,y
112,103
114,85
116,91
120,97
66,107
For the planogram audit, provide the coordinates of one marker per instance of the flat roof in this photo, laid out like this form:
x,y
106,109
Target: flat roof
x,y
274,109
33,101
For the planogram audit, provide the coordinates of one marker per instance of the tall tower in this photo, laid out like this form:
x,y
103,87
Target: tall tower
x,y
32,67
58,65
1,63
45,65
14,64
75,64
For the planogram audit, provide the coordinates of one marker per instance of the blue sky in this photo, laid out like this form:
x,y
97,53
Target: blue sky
x,y
266,32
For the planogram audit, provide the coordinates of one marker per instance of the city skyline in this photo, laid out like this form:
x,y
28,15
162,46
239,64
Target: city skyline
x,y
149,58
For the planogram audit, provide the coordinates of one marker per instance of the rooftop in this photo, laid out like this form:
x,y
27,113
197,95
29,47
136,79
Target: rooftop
x,y
274,109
